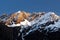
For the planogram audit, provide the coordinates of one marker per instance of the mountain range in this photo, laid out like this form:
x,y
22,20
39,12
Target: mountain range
x,y
33,26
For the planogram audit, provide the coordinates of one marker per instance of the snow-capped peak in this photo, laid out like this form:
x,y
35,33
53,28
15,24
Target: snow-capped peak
x,y
42,22
19,12
37,18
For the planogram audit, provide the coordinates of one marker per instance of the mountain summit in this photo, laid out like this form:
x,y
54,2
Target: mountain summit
x,y
31,22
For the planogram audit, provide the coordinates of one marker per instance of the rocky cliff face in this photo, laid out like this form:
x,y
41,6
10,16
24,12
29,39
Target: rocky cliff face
x,y
34,26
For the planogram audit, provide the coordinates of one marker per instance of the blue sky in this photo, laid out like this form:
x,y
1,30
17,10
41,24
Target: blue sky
x,y
11,6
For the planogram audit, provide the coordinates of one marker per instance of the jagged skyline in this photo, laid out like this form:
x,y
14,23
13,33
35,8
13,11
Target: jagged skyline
x,y
11,6
41,22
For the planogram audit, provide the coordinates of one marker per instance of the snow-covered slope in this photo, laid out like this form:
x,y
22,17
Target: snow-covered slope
x,y
46,22
36,20
49,22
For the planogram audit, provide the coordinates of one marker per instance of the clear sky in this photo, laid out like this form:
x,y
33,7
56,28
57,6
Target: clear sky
x,y
11,6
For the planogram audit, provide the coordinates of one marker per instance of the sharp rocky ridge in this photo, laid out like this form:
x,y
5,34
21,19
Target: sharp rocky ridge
x,y
36,20
30,22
